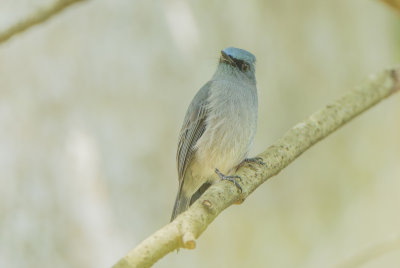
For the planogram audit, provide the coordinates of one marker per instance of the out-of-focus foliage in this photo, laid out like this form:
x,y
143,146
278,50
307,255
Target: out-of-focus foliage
x,y
393,3
91,103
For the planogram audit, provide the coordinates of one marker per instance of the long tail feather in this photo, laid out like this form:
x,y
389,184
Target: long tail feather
x,y
181,203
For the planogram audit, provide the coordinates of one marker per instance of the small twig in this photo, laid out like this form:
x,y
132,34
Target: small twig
x,y
188,226
39,17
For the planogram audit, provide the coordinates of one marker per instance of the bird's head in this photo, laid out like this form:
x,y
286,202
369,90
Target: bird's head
x,y
239,61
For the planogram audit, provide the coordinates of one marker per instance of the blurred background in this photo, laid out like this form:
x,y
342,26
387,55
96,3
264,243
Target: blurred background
x,y
92,101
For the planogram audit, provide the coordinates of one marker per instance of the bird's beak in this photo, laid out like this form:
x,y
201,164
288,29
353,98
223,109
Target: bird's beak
x,y
226,58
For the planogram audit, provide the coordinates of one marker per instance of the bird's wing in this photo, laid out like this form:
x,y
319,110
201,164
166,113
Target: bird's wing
x,y
193,127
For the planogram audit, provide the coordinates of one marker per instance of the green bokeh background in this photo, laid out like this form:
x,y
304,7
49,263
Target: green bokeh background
x,y
92,101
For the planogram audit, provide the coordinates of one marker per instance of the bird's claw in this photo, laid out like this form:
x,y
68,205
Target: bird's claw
x,y
230,178
257,160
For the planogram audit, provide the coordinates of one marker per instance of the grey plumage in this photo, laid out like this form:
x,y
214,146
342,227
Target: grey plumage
x,y
219,127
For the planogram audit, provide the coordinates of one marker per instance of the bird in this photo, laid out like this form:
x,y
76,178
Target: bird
x,y
218,129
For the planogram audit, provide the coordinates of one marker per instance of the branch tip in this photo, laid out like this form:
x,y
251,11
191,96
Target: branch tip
x,y
189,240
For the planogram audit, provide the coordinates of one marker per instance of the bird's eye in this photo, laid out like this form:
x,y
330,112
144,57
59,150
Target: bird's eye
x,y
245,67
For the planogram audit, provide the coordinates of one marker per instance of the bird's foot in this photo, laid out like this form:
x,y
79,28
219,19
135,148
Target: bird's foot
x,y
255,160
230,178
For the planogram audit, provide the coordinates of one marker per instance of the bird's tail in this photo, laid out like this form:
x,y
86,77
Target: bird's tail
x,y
181,203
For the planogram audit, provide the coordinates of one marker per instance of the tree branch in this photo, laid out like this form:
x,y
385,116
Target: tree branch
x,y
188,226
39,17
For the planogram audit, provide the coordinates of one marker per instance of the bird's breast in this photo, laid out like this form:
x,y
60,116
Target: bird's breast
x,y
231,124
